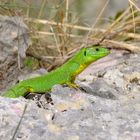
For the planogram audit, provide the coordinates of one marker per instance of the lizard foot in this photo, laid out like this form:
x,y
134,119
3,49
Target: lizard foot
x,y
72,85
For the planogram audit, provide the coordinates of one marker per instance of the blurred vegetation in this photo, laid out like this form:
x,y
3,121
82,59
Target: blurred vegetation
x,y
58,26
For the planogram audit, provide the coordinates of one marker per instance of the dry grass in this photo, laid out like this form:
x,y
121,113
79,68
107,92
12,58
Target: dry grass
x,y
122,33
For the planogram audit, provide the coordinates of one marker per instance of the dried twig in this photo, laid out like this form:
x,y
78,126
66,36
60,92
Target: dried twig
x,y
13,137
118,45
47,22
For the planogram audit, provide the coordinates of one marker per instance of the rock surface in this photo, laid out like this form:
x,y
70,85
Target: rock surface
x,y
14,41
106,107
13,36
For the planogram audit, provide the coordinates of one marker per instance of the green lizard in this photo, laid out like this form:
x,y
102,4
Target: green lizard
x,y
63,75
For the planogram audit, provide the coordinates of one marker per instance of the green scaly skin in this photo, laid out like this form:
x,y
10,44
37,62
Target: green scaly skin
x,y
63,75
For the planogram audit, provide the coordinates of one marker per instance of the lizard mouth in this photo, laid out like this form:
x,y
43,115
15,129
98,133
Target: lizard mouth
x,y
103,53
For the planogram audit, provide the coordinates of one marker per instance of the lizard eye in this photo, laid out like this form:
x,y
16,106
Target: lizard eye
x,y
85,53
97,49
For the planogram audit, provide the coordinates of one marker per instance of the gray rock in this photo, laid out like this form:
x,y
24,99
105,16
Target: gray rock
x,y
14,35
110,110
100,88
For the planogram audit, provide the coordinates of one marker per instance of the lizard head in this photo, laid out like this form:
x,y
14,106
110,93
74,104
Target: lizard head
x,y
83,58
92,54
